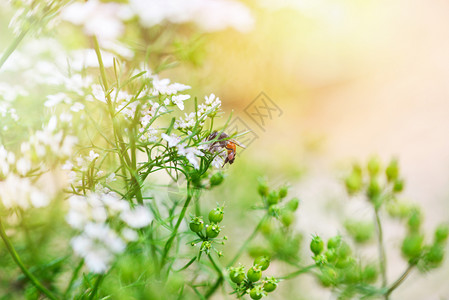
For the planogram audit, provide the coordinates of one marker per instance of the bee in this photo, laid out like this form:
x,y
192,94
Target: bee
x,y
224,142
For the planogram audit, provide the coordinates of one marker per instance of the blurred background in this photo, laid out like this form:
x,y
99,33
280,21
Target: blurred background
x,y
352,78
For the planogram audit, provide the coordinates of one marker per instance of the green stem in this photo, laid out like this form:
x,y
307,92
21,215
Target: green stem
x,y
13,46
72,280
382,256
400,279
25,271
298,272
212,290
169,242
248,240
96,286
135,182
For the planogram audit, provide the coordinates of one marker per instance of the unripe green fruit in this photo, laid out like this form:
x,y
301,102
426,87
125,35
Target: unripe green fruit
x,y
398,185
414,221
273,198
287,217
331,255
270,284
283,191
196,224
435,255
343,250
369,274
216,179
316,245
374,166
216,215
334,242
212,230
256,293
392,171
254,273
412,245
353,183
328,276
292,204
237,275
263,188
263,262
373,191
441,233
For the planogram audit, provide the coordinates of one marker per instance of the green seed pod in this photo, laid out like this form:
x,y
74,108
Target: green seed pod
x,y
237,275
374,190
283,192
205,247
212,230
320,260
435,255
263,262
270,284
257,292
334,242
392,170
343,250
414,221
287,217
216,215
328,277
331,255
316,245
412,245
274,210
196,224
292,204
353,183
344,262
273,198
370,274
374,166
398,185
263,188
216,179
360,231
254,273
441,233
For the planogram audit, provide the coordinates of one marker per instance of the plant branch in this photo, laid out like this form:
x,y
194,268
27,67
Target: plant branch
x,y
298,272
400,279
13,46
382,255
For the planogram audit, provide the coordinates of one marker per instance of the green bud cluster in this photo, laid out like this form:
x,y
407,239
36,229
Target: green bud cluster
x,y
369,180
208,233
276,206
251,282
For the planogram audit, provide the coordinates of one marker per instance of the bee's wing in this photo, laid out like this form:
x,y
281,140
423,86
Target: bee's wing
x,y
238,143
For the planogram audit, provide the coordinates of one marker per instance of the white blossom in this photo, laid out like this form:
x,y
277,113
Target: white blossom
x,y
172,140
137,217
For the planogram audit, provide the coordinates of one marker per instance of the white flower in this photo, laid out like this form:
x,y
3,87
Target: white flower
x,y
163,86
19,192
210,15
172,140
137,217
23,165
178,100
97,18
77,106
53,100
130,235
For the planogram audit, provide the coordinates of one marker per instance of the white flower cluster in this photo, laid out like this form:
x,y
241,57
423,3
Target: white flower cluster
x,y
209,15
208,108
50,140
98,243
192,154
106,19
18,191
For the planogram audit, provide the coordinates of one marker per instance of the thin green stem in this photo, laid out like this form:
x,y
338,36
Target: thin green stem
x,y
248,240
298,272
400,279
382,255
19,262
72,280
212,290
169,242
96,286
13,46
